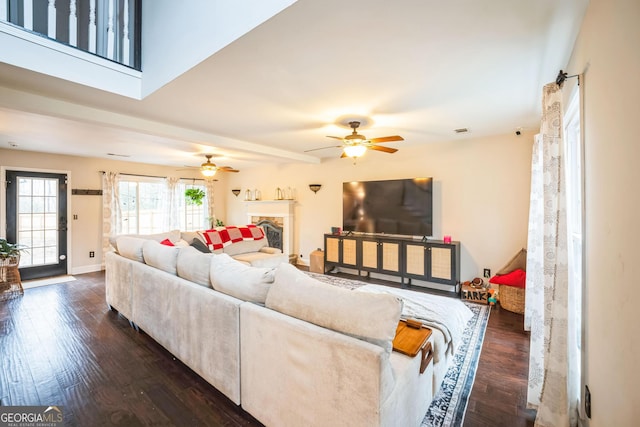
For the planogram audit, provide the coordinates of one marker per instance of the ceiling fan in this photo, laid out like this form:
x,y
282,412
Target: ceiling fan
x,y
355,145
209,169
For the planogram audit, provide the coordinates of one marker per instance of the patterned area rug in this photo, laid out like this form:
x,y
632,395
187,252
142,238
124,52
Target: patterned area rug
x,y
450,403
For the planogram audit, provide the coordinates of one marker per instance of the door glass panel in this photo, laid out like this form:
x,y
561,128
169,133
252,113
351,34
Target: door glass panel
x,y
37,221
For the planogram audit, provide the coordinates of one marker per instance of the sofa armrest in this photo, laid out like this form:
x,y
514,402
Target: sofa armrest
x,y
270,250
296,373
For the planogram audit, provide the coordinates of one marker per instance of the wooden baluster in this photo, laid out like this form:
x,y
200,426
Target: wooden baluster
x,y
51,19
73,24
110,31
125,35
28,15
92,27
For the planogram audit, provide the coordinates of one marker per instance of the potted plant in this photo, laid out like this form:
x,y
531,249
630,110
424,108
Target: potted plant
x,y
194,196
10,252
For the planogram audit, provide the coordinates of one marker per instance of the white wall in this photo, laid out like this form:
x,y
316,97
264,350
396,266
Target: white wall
x,y
176,38
608,52
86,231
481,194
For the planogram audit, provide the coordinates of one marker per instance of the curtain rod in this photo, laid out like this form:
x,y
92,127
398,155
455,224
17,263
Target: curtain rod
x,y
562,76
156,176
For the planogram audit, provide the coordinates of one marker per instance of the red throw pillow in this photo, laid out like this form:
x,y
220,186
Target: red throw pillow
x,y
516,278
167,242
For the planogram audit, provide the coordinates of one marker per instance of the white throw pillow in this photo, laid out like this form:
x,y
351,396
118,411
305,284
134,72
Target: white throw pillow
x,y
160,256
194,265
131,247
239,280
370,317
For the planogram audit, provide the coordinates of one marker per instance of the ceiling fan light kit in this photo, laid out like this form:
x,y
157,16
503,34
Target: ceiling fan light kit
x,y
355,151
209,169
355,145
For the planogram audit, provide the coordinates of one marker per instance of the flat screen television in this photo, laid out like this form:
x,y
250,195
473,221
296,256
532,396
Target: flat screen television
x,y
398,206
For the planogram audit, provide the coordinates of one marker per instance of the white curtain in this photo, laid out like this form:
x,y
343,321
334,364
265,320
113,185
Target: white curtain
x,y
211,213
111,213
171,203
552,360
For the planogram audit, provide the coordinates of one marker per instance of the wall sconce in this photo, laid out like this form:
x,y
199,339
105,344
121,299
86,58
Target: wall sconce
x,y
235,191
315,187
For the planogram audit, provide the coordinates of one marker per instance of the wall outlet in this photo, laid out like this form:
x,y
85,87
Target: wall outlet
x,y
487,273
92,254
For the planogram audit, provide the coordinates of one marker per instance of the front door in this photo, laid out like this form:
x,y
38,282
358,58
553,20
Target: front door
x,y
37,219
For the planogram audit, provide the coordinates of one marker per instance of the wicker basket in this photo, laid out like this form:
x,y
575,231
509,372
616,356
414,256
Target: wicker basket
x,y
10,284
512,298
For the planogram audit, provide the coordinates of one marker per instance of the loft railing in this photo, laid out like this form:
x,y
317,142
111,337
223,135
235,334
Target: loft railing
x,y
108,28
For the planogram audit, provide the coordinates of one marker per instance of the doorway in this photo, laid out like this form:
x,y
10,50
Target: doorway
x,y
36,213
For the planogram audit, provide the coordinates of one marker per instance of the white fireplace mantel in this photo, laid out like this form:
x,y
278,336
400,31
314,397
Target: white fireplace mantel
x,y
277,209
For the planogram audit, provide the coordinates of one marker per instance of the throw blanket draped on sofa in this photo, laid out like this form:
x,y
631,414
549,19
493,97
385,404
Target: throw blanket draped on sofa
x,y
221,237
449,316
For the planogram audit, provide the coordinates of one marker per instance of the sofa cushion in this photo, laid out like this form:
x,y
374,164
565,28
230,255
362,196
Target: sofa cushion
x,y
190,235
262,259
200,245
370,317
194,266
239,280
173,236
131,247
245,246
160,256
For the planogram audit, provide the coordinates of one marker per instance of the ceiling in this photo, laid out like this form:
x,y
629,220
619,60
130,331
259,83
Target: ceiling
x,y
416,68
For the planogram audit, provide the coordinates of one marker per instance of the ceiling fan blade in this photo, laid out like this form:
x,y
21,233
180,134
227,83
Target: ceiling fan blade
x,y
323,148
387,139
335,137
227,169
383,148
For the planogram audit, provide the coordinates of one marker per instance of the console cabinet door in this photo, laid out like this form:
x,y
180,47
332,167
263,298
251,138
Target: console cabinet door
x,y
349,252
391,253
415,257
441,264
370,255
331,250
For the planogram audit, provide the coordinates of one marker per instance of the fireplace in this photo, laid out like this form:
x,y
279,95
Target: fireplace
x,y
276,218
272,230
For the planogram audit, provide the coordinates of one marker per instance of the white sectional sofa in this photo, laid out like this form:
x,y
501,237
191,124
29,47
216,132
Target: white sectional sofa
x,y
257,253
290,350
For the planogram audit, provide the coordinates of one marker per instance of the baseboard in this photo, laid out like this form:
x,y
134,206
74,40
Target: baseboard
x,y
86,269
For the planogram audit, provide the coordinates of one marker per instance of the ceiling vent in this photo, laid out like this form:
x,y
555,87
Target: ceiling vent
x,y
461,130
118,155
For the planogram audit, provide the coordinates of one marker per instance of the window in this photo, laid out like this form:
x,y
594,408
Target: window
x,y
149,206
575,226
192,216
141,206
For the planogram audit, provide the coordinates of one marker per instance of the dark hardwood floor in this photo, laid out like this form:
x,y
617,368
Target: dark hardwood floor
x,y
59,345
